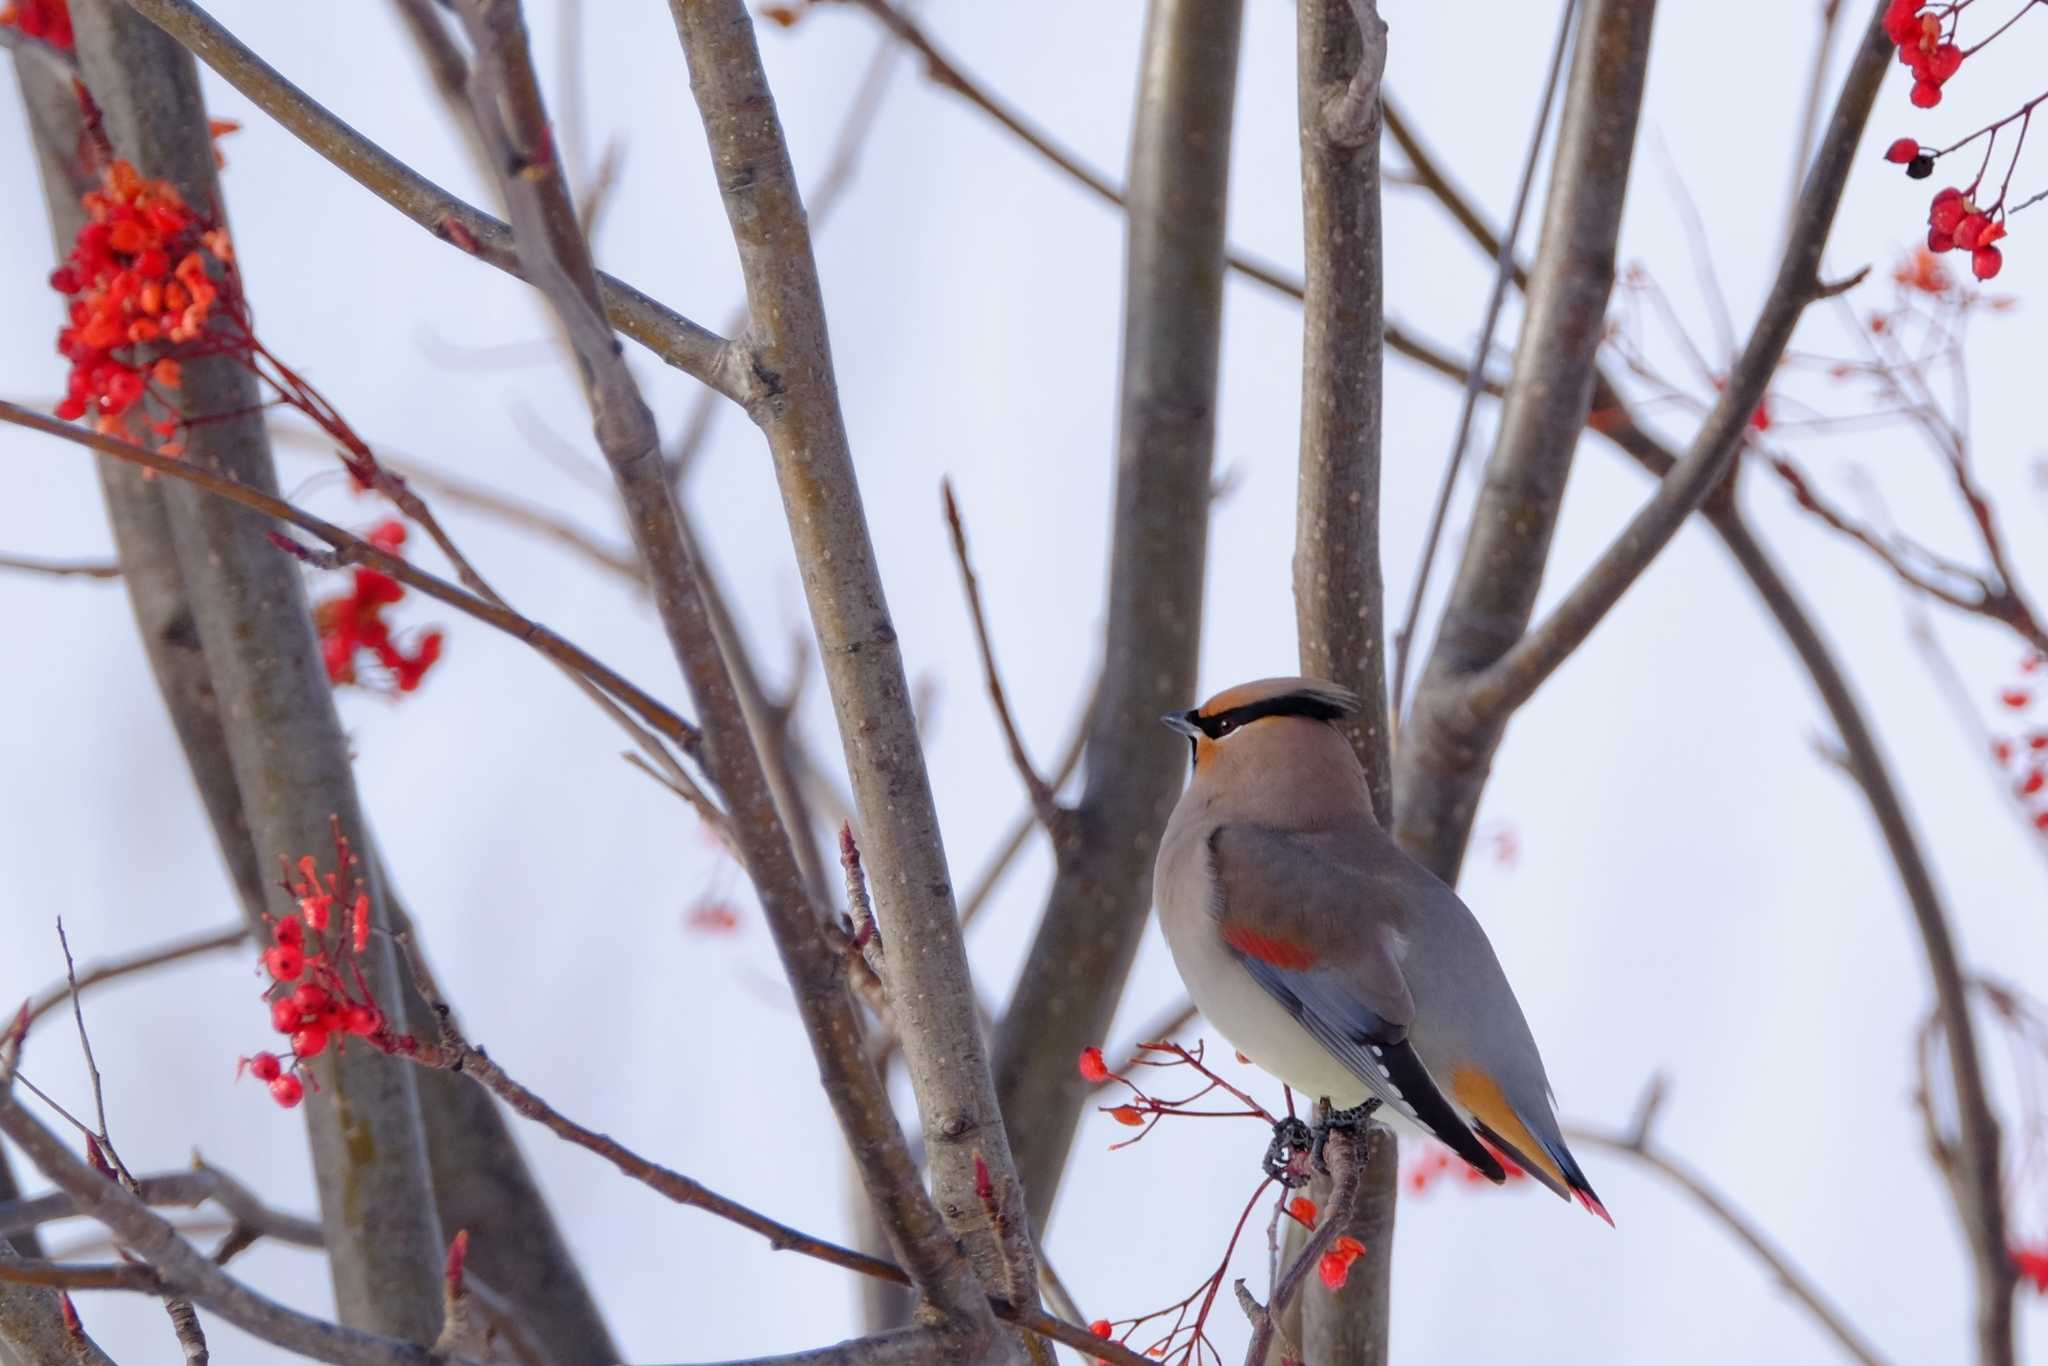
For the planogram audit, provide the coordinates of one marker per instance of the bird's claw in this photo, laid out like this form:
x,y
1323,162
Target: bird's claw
x,y
1290,1136
1329,1120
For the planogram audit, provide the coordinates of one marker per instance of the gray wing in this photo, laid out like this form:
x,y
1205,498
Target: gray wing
x,y
1318,927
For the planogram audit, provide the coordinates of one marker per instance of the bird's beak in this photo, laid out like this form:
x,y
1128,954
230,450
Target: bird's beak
x,y
1182,721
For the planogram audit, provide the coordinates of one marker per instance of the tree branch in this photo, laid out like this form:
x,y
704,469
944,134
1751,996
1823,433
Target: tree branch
x,y
479,1178
513,122
1637,1145
790,349
289,757
176,1267
1510,680
1979,1204
1339,597
1505,271
1339,603
1446,747
702,354
1173,303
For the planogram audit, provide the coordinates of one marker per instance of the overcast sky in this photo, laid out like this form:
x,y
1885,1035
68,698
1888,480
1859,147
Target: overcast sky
x,y
1695,891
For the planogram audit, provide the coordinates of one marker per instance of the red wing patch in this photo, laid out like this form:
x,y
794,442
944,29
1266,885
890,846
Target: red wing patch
x,y
1281,953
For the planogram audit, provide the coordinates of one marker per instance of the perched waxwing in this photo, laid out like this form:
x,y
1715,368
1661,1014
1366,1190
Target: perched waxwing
x,y
1327,955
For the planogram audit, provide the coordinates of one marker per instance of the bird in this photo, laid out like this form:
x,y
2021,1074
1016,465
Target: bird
x,y
1328,956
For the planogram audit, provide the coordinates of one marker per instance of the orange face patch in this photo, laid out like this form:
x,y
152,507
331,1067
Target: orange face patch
x,y
1281,953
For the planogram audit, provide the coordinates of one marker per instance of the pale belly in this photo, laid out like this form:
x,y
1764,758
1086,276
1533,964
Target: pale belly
x,y
1257,1025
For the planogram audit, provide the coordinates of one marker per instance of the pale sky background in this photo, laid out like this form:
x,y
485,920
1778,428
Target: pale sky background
x,y
1697,892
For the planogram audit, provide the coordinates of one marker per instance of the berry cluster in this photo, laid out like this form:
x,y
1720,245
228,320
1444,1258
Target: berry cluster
x,y
353,624
2024,758
1925,36
47,20
1926,45
140,282
318,994
1956,223
1182,1326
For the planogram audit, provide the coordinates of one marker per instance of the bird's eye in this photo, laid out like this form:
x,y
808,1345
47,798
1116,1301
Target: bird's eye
x,y
1224,727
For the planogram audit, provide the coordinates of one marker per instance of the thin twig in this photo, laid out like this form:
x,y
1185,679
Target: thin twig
x,y
187,1189
351,549
948,74
92,1067
184,1321
493,503
455,1053
982,890
79,569
173,951
1043,802
1636,1144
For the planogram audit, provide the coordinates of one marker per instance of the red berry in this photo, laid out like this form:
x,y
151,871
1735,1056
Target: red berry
x,y
284,963
290,933
1937,240
2038,740
2001,751
284,1016
309,1042
265,1067
1101,1328
1092,1066
71,408
1946,61
287,1091
2033,783
1993,230
311,999
1902,21
1126,1114
2041,820
1334,1269
2015,697
1926,94
65,280
1986,262
1303,1209
1968,229
315,909
1902,151
362,1021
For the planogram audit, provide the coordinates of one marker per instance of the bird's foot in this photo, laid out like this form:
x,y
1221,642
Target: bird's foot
x,y
1330,1120
1290,1137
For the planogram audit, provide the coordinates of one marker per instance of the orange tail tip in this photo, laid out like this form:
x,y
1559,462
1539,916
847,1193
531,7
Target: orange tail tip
x,y
1593,1205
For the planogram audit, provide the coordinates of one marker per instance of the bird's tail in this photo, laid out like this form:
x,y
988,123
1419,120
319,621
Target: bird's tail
x,y
1549,1161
